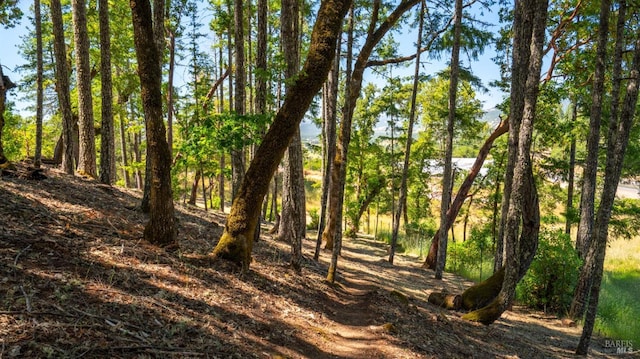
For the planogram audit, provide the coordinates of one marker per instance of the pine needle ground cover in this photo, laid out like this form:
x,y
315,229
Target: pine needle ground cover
x,y
77,280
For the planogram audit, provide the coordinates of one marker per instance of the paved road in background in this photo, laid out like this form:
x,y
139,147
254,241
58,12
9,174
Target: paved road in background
x,y
628,191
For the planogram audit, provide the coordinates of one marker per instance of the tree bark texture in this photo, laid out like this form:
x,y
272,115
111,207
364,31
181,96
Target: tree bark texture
x,y
39,84
236,242
330,106
407,149
587,197
594,261
572,172
237,154
161,228
87,154
107,134
62,86
523,218
447,173
293,220
461,196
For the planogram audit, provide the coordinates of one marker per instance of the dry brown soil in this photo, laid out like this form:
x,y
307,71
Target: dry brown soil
x,y
76,280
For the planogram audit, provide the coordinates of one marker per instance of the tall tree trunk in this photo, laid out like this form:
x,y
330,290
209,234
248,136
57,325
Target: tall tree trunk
x,y
352,93
62,86
161,228
582,291
172,66
407,149
594,260
107,141
39,85
463,191
335,199
87,153
159,43
447,174
523,218
137,157
236,242
123,142
572,172
497,241
587,198
330,106
237,154
293,220
261,59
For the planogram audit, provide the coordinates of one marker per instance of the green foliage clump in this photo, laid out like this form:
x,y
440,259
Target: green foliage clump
x,y
551,279
473,258
315,219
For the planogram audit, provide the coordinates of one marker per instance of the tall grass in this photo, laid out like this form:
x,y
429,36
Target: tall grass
x,y
619,307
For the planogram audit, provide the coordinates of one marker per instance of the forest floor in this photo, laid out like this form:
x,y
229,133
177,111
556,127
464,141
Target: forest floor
x,y
77,280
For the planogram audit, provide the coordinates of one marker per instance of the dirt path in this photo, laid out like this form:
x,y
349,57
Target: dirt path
x,y
390,314
77,280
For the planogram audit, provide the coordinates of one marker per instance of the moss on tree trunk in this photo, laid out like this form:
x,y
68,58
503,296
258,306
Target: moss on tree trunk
x,y
236,242
483,293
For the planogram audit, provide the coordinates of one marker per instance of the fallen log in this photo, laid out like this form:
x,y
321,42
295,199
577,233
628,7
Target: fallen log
x,y
449,301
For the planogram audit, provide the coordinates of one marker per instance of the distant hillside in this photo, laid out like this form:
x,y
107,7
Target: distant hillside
x,y
310,133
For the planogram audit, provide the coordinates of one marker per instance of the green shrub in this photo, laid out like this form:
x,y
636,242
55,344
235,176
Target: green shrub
x,y
473,258
315,219
551,279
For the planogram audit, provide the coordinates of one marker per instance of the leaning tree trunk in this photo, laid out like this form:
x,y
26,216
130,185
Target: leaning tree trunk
x,y
87,153
236,242
456,205
161,228
523,218
62,86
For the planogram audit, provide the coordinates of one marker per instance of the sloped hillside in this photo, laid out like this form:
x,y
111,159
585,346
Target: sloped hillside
x,y
76,280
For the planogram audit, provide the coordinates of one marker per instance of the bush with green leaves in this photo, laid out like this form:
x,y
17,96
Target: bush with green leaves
x,y
315,219
472,258
551,279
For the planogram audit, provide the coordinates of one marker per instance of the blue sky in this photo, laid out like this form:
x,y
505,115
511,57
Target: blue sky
x,y
484,68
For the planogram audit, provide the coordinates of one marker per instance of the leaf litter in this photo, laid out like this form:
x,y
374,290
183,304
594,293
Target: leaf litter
x,y
77,280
